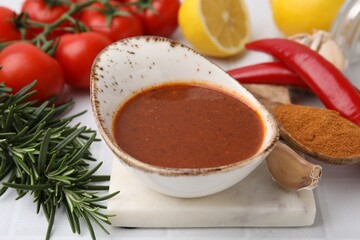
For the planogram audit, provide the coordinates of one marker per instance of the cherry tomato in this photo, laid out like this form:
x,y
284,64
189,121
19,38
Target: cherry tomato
x,y
22,63
8,30
41,11
160,18
76,53
121,26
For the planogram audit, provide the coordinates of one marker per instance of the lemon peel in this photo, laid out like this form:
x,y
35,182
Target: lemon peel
x,y
299,16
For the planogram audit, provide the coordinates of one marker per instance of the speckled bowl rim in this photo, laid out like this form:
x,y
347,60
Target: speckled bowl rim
x,y
165,171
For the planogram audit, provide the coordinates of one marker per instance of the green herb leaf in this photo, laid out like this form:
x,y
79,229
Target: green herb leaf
x,y
45,155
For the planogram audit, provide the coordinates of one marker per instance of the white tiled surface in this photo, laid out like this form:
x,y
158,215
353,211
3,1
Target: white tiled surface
x,y
337,197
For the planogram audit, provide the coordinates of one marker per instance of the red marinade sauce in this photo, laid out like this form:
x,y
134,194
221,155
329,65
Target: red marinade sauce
x,y
187,126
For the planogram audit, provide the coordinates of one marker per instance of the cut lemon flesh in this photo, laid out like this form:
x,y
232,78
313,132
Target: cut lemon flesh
x,y
218,28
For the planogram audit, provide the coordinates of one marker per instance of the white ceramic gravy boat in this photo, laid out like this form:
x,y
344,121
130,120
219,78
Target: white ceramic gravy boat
x,y
128,66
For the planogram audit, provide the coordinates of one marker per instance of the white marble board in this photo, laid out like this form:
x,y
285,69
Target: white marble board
x,y
256,201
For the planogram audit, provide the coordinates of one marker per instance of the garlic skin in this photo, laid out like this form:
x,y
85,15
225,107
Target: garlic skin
x,y
291,171
321,42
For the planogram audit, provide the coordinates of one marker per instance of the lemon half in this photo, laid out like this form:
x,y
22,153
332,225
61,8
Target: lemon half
x,y
217,28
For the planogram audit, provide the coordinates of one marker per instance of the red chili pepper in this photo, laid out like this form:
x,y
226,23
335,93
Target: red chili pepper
x,y
267,73
323,78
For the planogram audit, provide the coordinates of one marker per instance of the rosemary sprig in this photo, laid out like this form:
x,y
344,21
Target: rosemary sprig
x,y
42,154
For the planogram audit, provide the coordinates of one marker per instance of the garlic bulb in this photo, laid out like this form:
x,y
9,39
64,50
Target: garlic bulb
x,y
321,42
290,170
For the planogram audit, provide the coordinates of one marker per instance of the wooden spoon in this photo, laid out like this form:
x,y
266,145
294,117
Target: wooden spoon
x,y
302,147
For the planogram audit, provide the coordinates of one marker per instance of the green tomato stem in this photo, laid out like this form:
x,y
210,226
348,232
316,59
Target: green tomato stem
x,y
48,28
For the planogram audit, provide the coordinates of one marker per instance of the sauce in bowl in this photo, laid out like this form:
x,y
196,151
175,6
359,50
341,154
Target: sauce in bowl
x,y
187,126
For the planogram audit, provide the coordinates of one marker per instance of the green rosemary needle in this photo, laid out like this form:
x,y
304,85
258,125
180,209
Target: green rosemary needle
x,y
42,154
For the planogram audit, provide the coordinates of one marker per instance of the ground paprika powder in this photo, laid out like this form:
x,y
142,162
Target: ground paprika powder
x,y
321,130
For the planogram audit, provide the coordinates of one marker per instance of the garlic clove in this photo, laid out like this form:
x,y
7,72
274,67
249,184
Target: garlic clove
x,y
333,53
290,170
317,39
303,38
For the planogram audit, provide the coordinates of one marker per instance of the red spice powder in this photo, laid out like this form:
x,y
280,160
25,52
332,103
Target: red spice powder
x,y
322,130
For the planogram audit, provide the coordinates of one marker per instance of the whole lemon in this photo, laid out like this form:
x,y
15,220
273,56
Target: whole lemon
x,y
303,16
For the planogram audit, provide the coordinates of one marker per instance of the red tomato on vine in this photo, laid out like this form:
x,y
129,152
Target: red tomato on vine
x,y
22,63
8,30
76,53
45,11
158,17
112,20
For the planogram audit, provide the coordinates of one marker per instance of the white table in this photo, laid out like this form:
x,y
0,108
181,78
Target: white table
x,y
337,196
